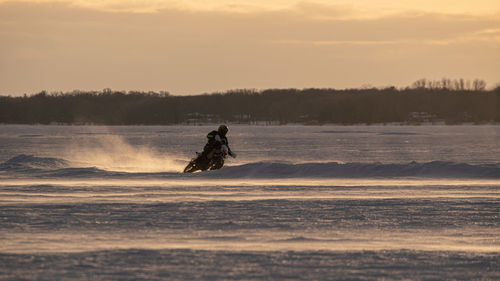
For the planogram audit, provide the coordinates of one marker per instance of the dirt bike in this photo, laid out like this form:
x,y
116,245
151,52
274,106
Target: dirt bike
x,y
213,161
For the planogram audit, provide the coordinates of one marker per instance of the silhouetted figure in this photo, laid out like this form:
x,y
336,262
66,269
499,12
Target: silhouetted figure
x,y
215,140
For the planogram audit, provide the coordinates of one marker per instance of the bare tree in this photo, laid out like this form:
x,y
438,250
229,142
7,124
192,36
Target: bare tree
x,y
446,83
420,84
478,85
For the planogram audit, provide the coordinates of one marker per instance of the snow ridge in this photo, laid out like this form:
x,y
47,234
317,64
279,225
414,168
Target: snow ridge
x,y
56,167
434,169
27,162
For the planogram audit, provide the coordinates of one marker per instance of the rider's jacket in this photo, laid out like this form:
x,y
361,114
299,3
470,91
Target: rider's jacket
x,y
215,140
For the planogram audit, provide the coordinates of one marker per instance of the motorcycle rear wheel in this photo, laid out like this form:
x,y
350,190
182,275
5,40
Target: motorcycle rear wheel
x,y
217,164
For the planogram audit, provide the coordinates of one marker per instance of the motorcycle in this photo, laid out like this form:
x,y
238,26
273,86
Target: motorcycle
x,y
213,161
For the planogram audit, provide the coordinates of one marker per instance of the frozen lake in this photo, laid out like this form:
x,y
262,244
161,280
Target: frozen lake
x,y
299,202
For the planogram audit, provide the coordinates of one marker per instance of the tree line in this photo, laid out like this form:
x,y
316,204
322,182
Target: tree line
x,y
419,104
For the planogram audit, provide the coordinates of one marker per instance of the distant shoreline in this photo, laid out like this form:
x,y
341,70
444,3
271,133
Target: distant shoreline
x,y
415,106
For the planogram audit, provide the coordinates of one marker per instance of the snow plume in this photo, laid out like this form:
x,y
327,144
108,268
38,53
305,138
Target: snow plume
x,y
114,153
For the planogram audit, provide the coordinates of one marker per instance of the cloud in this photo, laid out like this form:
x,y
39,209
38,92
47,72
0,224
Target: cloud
x,y
314,8
155,6
485,36
125,6
490,31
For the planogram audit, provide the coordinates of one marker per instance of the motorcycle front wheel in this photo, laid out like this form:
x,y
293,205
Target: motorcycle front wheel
x,y
191,167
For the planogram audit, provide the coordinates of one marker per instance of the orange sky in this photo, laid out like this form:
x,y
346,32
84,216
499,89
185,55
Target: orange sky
x,y
195,46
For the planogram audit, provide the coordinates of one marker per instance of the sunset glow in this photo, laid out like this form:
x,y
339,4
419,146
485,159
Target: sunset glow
x,y
192,47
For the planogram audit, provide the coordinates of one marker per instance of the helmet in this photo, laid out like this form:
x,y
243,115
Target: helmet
x,y
223,129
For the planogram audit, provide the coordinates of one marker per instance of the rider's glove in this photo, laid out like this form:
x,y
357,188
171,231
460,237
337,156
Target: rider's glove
x,y
233,154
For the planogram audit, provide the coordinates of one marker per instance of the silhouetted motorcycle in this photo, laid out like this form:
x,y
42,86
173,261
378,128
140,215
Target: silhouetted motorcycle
x,y
213,161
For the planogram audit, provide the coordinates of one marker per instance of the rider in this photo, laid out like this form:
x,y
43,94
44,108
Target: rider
x,y
215,140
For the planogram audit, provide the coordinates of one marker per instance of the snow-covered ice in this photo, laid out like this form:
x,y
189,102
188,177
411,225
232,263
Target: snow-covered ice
x,y
299,202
